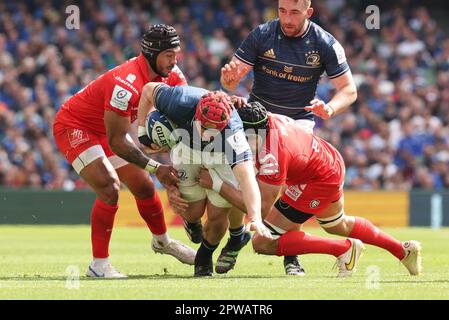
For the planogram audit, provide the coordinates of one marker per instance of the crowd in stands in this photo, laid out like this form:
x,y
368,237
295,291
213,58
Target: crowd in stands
x,y
395,137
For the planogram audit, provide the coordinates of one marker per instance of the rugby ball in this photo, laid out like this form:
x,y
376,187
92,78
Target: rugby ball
x,y
160,129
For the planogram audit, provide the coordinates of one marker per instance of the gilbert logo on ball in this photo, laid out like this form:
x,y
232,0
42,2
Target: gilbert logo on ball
x,y
160,130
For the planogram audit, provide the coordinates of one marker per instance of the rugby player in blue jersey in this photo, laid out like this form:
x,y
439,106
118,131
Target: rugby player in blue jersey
x,y
211,136
288,55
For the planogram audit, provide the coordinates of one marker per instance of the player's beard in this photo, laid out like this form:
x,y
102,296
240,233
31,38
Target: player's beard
x,y
165,72
293,31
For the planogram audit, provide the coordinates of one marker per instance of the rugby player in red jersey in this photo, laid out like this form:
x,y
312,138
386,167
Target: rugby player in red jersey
x,y
309,172
288,56
91,131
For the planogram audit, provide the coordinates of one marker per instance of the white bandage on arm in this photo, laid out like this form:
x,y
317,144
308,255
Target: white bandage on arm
x,y
141,131
331,221
152,166
217,182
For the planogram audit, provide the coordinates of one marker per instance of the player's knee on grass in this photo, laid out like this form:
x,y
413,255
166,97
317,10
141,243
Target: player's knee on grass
x,y
264,246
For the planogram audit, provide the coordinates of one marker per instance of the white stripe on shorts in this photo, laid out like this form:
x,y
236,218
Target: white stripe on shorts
x,y
87,157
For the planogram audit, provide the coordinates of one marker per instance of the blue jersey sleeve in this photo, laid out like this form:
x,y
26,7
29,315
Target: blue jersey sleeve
x,y
247,52
178,103
334,61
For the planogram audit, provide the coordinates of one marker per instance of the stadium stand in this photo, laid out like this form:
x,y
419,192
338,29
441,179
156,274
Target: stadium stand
x,y
395,137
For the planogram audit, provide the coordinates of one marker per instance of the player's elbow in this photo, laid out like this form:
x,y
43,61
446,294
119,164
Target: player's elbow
x,y
148,91
354,94
115,144
351,93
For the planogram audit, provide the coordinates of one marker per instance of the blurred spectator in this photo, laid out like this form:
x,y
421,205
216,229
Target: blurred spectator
x,y
396,136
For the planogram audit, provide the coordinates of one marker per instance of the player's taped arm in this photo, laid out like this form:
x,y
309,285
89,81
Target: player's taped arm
x,y
146,105
244,173
233,72
116,129
346,93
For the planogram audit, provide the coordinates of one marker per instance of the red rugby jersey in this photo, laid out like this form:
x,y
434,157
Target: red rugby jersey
x,y
292,156
118,89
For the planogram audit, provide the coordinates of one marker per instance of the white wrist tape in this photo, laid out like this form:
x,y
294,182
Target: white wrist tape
x,y
141,131
216,180
152,166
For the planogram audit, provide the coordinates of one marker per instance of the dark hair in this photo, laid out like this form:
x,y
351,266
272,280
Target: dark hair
x,y
254,116
156,39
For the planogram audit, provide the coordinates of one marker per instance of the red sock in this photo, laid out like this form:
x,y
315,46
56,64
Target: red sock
x,y
102,222
152,212
298,242
370,234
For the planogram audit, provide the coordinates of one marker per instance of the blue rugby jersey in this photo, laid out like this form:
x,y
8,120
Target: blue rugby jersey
x,y
179,104
287,69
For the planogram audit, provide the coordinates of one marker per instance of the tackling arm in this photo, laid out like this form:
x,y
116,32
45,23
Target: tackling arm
x,y
146,102
146,105
116,130
269,193
244,174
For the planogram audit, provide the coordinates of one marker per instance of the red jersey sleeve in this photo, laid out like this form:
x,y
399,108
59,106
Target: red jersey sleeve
x,y
119,98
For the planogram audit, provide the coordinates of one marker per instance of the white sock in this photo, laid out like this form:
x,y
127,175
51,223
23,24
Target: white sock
x,y
99,262
162,239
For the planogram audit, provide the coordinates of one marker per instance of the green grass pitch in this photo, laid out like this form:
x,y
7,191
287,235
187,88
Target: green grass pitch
x,y
34,262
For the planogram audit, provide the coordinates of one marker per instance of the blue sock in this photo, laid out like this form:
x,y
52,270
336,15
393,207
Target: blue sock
x,y
236,236
205,251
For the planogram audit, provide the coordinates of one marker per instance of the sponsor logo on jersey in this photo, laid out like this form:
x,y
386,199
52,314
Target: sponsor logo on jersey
x,y
126,83
314,203
238,142
339,52
131,78
270,54
286,75
77,137
288,69
182,175
295,191
313,58
120,98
